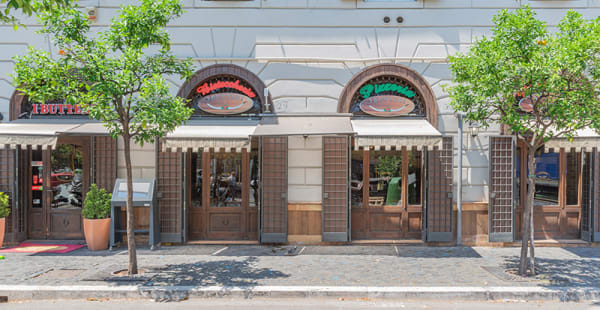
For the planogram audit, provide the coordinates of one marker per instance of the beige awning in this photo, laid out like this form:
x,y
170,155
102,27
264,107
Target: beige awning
x,y
583,139
36,134
301,125
387,133
88,129
204,135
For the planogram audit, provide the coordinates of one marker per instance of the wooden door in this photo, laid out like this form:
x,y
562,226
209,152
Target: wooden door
x,y
67,182
222,195
383,206
558,194
57,180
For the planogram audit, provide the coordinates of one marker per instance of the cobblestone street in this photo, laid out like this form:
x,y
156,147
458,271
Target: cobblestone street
x,y
209,265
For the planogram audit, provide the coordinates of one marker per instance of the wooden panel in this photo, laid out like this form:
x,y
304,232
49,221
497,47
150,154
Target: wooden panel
x,y
502,158
439,192
65,225
223,222
105,162
304,219
587,196
385,222
274,189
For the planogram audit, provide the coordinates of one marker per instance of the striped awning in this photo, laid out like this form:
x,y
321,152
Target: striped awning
x,y
384,134
585,139
45,133
204,135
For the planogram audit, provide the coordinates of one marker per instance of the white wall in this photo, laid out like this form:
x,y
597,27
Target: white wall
x,y
319,46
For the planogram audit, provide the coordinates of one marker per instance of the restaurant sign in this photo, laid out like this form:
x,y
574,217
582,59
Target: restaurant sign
x,y
57,109
387,105
371,89
206,88
225,103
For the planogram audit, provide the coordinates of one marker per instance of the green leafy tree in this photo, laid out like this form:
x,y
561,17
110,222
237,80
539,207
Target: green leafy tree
x,y
4,209
27,7
557,72
96,204
116,75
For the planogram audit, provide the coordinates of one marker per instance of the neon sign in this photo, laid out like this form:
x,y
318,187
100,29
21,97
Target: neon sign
x,y
55,109
370,89
206,88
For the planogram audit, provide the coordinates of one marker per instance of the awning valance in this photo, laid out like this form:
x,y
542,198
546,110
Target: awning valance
x,y
387,133
204,135
583,139
42,135
302,125
45,133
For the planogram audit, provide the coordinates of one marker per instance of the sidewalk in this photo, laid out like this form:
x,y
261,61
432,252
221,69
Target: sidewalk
x,y
177,272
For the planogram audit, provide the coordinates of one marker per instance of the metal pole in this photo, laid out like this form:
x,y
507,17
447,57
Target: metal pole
x,y
459,189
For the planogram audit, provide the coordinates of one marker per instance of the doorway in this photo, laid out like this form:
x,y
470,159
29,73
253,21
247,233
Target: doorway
x,y
58,180
387,194
557,200
223,189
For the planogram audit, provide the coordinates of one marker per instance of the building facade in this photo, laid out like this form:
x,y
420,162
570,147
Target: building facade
x,y
315,121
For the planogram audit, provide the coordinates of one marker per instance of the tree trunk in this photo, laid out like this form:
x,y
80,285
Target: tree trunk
x,y
528,212
531,243
132,268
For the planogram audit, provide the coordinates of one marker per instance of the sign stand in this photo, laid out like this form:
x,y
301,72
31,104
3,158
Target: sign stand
x,y
144,196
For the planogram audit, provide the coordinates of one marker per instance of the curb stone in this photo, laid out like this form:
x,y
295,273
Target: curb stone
x,y
179,293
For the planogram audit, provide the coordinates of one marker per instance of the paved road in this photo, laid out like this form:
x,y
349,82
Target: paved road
x,y
307,266
292,304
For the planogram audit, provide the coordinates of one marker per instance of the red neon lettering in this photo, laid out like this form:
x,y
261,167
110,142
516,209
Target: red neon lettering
x,y
77,109
35,108
69,109
52,109
207,88
43,109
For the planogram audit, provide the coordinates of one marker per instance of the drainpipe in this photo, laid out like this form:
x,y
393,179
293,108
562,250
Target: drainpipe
x,y
459,184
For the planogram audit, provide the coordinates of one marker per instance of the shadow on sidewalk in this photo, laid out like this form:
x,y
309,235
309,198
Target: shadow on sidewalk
x,y
561,272
221,273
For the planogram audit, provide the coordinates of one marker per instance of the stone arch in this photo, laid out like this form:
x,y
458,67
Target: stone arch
x,y
15,103
405,73
188,88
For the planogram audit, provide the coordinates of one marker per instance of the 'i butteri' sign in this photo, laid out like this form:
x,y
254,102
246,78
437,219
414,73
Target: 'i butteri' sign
x,y
374,89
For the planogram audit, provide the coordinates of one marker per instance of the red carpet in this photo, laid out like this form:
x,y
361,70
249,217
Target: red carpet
x,y
42,248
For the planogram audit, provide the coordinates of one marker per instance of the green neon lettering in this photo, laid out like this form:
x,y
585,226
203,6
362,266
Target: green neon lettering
x,y
367,90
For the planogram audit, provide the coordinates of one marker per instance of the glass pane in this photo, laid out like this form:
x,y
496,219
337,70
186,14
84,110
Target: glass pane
x,y
385,171
37,179
225,185
254,165
573,178
196,171
356,179
546,179
66,177
414,177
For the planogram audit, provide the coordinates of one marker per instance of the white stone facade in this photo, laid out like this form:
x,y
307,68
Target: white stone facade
x,y
306,51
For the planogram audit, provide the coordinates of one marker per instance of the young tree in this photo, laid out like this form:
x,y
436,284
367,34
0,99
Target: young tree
x,y
556,72
115,75
27,7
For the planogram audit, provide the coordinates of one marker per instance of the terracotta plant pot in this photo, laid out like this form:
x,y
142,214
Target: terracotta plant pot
x,y
2,228
97,233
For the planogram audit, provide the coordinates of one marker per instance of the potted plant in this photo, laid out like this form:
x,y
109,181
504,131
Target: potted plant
x,y
96,220
4,212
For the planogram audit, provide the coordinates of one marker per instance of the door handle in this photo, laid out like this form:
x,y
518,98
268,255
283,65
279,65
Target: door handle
x,y
283,195
325,195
